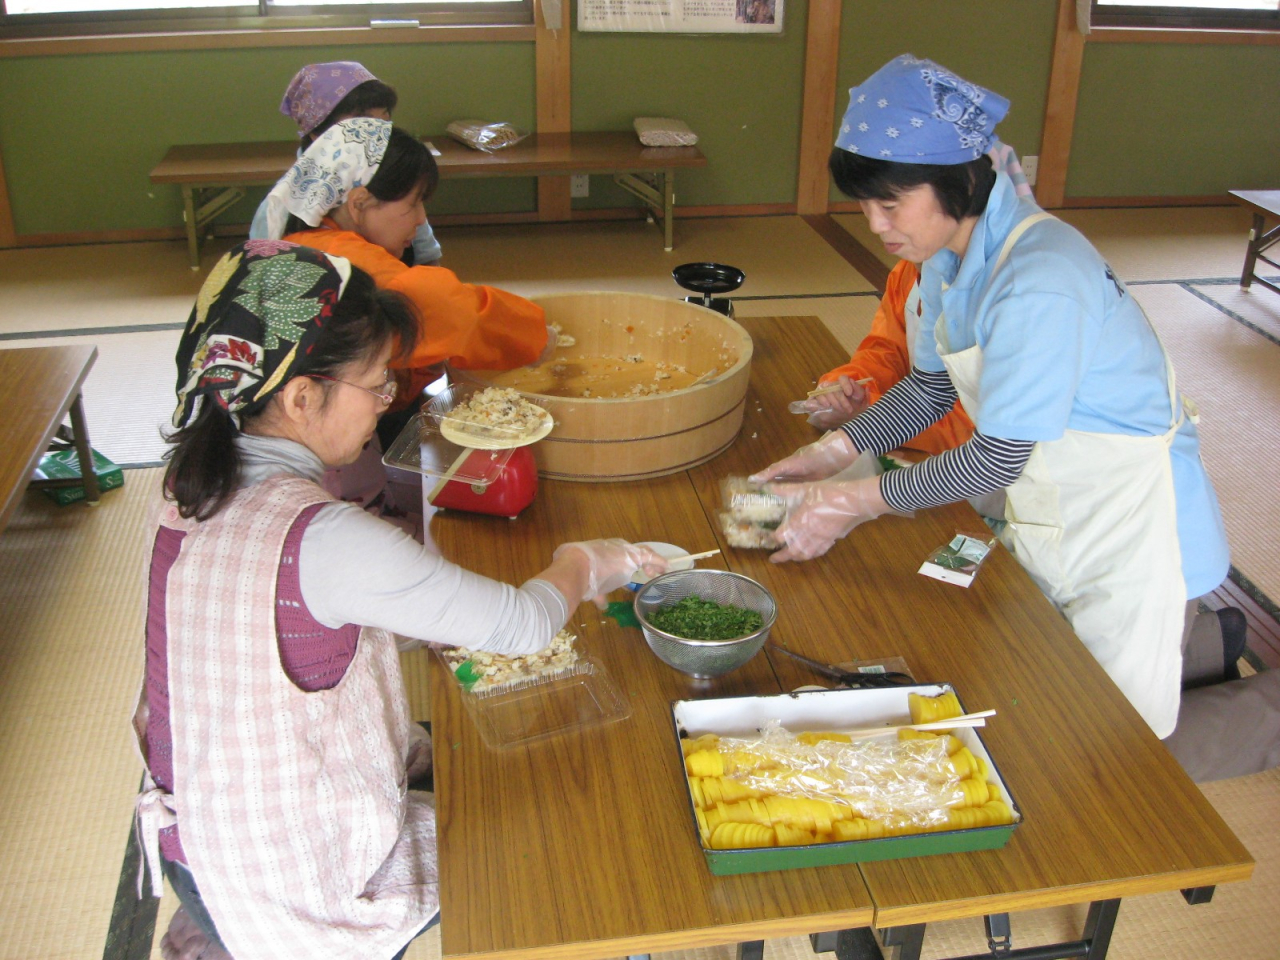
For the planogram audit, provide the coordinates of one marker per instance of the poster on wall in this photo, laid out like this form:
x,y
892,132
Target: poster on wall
x,y
681,16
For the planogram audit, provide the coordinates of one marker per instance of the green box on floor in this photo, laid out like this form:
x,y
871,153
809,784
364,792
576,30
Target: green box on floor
x,y
65,465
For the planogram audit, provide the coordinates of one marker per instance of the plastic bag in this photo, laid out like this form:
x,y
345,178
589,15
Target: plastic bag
x,y
664,132
958,561
489,137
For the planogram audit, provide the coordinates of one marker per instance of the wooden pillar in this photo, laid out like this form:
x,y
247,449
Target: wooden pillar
x,y
1060,107
821,61
8,235
551,82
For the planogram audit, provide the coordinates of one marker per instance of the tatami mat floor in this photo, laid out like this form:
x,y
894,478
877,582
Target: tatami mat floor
x,y
70,577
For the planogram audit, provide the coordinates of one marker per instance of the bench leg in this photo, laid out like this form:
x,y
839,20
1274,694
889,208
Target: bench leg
x,y
84,452
668,209
193,228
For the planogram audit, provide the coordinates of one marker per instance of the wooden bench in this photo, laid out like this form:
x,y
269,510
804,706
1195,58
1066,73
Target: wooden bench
x,y
213,175
39,386
1265,205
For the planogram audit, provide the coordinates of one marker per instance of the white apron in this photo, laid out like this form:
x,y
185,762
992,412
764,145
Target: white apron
x,y
1093,519
292,805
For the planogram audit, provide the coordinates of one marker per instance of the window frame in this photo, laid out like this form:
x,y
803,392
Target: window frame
x,y
1180,17
269,18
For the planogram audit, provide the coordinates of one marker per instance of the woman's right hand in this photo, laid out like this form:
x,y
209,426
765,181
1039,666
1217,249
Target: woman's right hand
x,y
828,410
611,564
817,461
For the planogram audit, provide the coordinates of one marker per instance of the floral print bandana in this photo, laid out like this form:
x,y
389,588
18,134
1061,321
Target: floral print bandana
x,y
342,158
319,87
255,319
916,111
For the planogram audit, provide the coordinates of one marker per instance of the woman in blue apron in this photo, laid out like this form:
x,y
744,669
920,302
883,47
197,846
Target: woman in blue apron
x,y
1076,406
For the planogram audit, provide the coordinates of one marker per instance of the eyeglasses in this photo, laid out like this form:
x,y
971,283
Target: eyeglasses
x,y
386,394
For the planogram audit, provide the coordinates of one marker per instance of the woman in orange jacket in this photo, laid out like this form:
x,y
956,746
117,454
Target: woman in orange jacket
x,y
884,358
358,192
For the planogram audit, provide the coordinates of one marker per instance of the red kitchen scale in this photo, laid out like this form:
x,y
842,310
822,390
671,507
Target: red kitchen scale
x,y
494,474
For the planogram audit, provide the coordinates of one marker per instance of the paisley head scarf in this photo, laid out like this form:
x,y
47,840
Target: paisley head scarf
x,y
319,87
916,111
254,321
342,158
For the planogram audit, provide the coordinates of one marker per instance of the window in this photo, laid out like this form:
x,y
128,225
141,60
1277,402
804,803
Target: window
x,y
36,18
1190,14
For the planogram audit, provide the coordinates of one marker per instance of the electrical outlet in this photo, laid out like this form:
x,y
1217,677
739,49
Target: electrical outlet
x,y
1031,166
580,185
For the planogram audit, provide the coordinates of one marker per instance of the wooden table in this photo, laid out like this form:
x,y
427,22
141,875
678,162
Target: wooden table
x,y
581,847
213,175
39,386
1265,205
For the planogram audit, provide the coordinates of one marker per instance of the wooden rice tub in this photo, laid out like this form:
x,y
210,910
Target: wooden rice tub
x,y
633,437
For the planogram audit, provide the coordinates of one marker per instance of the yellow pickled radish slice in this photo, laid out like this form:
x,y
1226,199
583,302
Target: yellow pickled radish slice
x,y
855,829
708,741
695,791
704,831
965,763
704,763
993,791
1001,813
813,738
788,836
733,790
974,792
733,836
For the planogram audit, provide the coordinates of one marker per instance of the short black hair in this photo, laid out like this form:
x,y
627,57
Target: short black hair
x,y
962,189
370,95
406,166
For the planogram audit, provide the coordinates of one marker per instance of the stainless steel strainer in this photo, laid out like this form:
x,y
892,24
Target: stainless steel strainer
x,y
705,658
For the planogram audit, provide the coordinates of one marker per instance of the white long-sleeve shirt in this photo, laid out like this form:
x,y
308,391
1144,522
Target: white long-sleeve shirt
x,y
356,568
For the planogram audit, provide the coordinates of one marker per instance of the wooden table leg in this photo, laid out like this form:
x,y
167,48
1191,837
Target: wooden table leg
x,y
1251,252
84,452
193,228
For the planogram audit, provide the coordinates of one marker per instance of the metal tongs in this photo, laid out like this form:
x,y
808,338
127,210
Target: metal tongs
x,y
850,678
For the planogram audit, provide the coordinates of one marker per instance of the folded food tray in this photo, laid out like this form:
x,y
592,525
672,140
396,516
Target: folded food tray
x,y
573,699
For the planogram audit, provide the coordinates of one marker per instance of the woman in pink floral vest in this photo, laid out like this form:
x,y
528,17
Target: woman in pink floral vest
x,y
273,718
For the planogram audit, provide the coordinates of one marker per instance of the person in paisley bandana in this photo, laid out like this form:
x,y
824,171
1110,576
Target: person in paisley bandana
x,y
273,720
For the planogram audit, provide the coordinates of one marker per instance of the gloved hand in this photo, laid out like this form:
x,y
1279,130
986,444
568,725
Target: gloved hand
x,y
817,461
819,514
549,350
612,563
828,410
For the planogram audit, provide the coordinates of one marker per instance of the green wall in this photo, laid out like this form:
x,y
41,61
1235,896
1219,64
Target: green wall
x,y
1012,60
1169,119
80,133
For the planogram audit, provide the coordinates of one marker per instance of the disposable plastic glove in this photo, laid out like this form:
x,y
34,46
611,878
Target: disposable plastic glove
x,y
612,564
819,514
817,461
828,410
549,350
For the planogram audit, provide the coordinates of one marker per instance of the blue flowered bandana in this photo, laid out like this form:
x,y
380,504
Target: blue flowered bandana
x,y
915,111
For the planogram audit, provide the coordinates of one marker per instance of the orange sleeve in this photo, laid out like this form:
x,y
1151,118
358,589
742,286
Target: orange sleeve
x,y
469,325
883,356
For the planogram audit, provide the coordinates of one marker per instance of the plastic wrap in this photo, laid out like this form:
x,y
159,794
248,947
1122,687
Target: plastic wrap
x,y
823,787
480,135
750,515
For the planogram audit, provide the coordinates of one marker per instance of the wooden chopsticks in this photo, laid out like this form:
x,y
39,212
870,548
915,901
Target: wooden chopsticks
x,y
978,719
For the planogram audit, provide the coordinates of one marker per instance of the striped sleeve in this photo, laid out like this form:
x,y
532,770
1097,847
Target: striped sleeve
x,y
911,405
980,466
